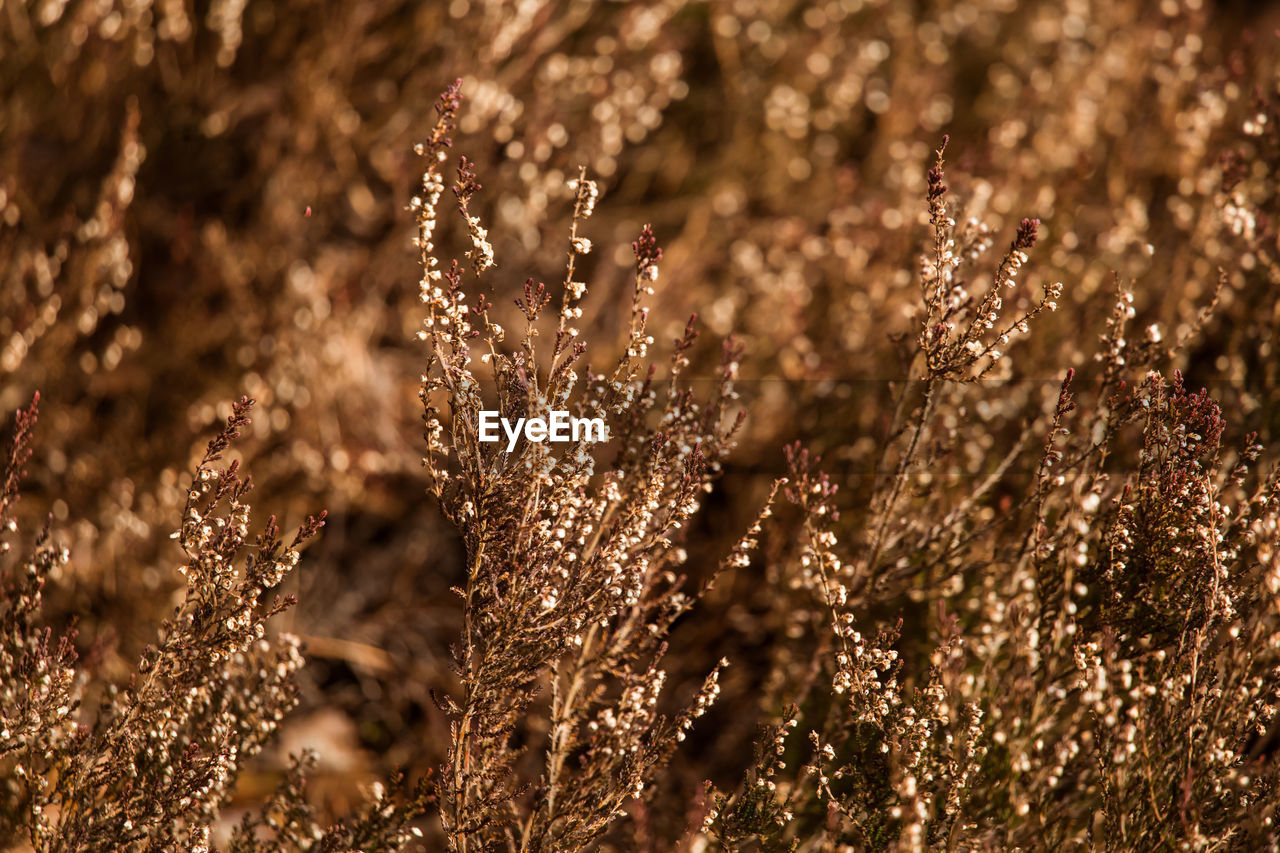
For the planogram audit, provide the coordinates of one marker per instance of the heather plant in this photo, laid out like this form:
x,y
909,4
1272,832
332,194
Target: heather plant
x,y
1102,670
152,763
573,575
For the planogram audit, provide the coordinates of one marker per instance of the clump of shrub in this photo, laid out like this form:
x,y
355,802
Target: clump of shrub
x,y
1105,669
573,576
153,763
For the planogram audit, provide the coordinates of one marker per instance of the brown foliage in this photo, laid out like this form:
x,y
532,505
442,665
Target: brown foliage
x,y
982,567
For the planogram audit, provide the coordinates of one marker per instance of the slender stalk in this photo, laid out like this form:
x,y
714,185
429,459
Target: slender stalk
x,y
899,478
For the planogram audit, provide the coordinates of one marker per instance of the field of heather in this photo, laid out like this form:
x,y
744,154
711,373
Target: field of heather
x,y
671,425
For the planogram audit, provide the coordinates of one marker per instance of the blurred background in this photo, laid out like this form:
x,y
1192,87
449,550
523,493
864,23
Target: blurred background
x,y
200,200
